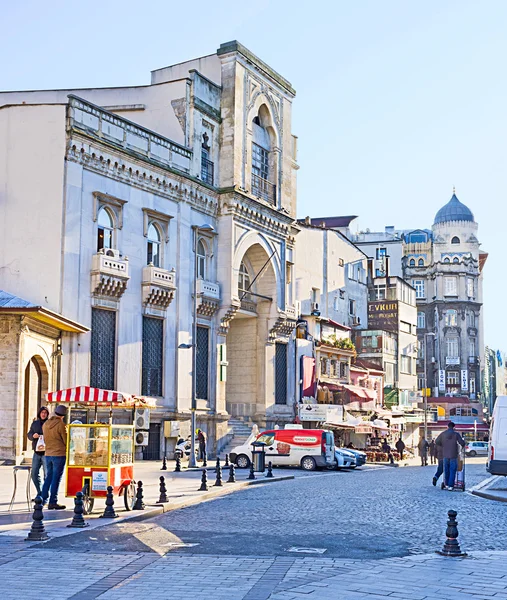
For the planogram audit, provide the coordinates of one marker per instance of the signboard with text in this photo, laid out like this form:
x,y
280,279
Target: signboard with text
x,y
464,380
383,315
441,380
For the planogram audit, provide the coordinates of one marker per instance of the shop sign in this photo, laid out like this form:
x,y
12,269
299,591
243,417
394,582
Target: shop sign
x,y
99,481
464,380
383,315
441,380
321,412
80,415
364,428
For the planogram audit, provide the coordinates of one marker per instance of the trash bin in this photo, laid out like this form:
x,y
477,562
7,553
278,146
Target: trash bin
x,y
258,457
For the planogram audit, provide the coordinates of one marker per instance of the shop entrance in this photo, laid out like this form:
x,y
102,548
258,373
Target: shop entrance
x,y
35,390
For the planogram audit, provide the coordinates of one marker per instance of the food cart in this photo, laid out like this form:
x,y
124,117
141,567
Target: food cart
x,y
100,453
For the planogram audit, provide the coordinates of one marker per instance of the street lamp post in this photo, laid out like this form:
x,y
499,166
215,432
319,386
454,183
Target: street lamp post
x,y
426,383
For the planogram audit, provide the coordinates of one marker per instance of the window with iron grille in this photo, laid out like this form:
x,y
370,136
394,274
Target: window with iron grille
x,y
202,363
103,349
260,161
280,373
152,366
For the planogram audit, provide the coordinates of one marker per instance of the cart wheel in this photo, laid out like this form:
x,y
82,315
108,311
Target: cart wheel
x,y
129,495
88,501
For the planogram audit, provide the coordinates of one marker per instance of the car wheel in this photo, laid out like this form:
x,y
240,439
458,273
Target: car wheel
x,y
242,461
308,463
472,453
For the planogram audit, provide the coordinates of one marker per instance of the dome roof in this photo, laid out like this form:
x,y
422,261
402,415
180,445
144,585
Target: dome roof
x,y
454,210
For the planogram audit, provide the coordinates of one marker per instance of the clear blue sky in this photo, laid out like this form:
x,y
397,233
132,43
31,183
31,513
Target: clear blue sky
x,y
397,100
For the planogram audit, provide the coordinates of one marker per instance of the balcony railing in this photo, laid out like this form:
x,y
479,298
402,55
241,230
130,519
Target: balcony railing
x,y
262,188
207,171
208,289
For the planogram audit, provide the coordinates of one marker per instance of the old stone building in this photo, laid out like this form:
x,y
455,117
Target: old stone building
x,y
127,198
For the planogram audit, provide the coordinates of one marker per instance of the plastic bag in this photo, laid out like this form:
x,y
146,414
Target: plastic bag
x,y
40,446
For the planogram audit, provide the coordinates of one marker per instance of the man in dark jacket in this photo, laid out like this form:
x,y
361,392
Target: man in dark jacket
x,y
423,451
448,441
201,438
440,460
400,446
433,451
38,459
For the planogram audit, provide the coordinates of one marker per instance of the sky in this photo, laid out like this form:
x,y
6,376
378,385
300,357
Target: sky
x,y
397,101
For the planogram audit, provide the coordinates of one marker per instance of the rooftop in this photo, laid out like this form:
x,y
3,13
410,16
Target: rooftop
x,y
454,210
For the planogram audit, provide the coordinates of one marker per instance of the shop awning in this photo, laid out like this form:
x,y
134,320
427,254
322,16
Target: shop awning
x,y
340,425
89,395
359,391
381,425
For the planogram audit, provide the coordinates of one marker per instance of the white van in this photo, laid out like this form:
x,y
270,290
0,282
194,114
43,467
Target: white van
x,y
497,455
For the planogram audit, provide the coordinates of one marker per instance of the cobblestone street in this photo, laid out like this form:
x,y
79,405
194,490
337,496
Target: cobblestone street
x,y
376,531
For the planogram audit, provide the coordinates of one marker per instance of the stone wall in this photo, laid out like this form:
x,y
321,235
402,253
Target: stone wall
x,y
10,328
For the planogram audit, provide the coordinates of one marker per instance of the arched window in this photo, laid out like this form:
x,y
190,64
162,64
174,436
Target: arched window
x,y
411,262
447,260
263,165
420,263
455,240
451,318
105,229
201,260
455,260
244,280
153,254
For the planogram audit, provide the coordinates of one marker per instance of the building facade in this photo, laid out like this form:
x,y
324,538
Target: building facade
x,y
134,196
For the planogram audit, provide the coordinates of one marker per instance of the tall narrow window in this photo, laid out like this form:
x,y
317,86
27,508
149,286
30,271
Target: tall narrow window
x,y
103,349
201,260
472,349
152,367
105,229
411,262
202,363
260,161
452,347
207,166
450,286
451,318
421,320
244,281
470,287
153,254
420,292
280,373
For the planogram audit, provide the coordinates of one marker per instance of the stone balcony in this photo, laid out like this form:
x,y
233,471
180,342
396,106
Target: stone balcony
x,y
109,274
158,286
208,297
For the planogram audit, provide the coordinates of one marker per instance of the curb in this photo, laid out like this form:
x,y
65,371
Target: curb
x,y
488,496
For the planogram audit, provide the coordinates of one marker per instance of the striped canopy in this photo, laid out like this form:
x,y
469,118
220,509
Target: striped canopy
x,y
89,395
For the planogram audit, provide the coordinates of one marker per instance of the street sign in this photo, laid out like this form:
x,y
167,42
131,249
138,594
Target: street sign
x,y
441,380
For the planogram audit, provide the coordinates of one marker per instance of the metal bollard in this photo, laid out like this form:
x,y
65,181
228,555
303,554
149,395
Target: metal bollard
x,y
204,482
252,473
270,470
77,519
217,464
163,491
37,532
451,546
226,463
109,512
177,468
218,480
232,474
164,464
139,505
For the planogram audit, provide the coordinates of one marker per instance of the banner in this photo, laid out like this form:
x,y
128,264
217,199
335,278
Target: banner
x,y
441,380
308,376
383,315
464,380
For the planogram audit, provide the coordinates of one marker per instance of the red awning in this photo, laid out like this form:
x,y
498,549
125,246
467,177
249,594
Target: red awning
x,y
89,395
360,392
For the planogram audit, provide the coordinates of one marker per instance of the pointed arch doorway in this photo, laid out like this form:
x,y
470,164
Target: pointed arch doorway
x,y
35,390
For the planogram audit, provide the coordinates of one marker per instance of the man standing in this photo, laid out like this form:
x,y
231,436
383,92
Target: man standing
x,y
201,437
423,451
440,468
448,441
400,446
433,452
55,438
37,439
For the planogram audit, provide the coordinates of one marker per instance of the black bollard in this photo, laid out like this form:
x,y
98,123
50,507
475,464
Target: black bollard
x,y
77,519
270,470
252,474
226,463
451,546
232,474
163,491
139,505
109,512
177,468
204,481
217,465
218,480
164,464
37,532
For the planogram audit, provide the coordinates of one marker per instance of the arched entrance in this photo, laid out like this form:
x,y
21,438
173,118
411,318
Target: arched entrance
x,y
35,390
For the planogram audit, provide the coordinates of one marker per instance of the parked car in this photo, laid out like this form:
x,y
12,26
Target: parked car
x,y
360,457
497,456
344,459
293,446
476,449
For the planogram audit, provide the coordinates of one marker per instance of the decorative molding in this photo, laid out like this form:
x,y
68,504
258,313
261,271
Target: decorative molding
x,y
162,219
228,314
115,204
158,287
109,276
283,327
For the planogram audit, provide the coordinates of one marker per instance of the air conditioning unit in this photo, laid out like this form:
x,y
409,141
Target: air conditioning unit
x,y
315,309
141,438
109,252
142,418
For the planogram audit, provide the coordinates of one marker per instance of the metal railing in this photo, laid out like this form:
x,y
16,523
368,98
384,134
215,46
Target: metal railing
x,y
207,171
262,188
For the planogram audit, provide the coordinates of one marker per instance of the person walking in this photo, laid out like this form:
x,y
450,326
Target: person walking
x,y
55,438
201,438
433,452
448,441
400,447
423,451
440,467
37,439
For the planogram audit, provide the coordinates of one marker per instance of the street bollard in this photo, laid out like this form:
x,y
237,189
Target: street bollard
x,y
270,470
217,465
164,464
139,505
77,519
109,512
226,463
204,481
177,468
218,481
232,474
451,546
252,473
37,532
163,491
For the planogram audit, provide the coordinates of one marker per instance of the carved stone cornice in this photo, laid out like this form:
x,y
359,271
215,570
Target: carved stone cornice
x,y
283,326
158,287
227,314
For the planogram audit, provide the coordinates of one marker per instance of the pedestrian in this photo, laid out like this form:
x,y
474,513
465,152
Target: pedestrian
x,y
201,437
386,448
448,441
400,446
423,451
55,438
37,439
433,452
440,460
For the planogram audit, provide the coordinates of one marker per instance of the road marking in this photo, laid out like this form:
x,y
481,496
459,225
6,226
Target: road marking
x,y
307,550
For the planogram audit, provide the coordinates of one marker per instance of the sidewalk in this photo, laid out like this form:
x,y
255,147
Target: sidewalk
x,y
492,488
